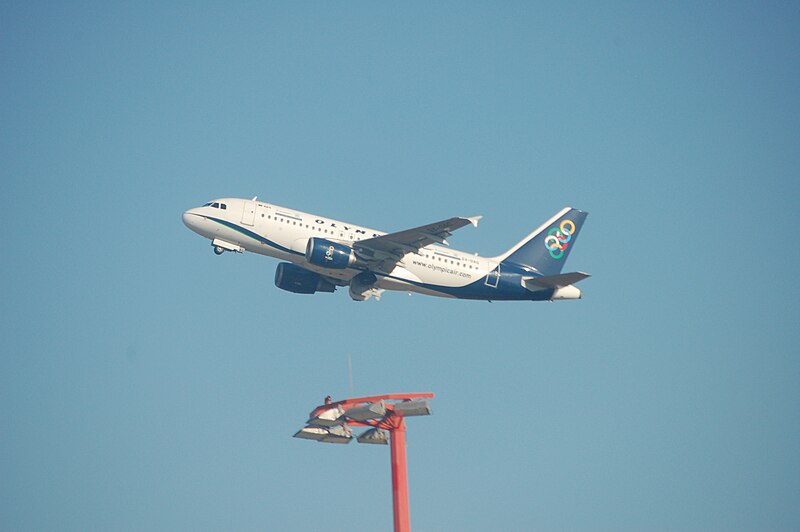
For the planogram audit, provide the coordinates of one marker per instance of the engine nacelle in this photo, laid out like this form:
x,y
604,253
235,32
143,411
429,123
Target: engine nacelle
x,y
327,254
295,279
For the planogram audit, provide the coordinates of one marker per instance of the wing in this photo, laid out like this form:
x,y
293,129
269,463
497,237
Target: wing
x,y
394,246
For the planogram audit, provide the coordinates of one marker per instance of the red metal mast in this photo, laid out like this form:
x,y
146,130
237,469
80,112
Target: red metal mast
x,y
397,440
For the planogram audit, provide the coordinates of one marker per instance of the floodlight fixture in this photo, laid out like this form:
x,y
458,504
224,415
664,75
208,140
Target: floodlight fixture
x,y
338,434
367,412
413,408
374,436
328,417
311,433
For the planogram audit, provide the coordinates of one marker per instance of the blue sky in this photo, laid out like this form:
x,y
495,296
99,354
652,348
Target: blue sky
x,y
146,384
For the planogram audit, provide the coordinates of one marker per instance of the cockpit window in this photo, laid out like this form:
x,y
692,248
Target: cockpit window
x,y
207,204
223,206
215,205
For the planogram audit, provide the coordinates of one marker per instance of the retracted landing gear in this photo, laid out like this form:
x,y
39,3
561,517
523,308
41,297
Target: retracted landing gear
x,y
220,246
362,287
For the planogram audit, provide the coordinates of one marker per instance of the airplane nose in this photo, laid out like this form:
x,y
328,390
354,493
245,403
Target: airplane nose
x,y
191,218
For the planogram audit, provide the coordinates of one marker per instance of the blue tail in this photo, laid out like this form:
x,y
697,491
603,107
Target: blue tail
x,y
547,248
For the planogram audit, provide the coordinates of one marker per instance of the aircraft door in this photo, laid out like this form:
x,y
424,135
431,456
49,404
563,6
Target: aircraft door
x,y
249,213
493,277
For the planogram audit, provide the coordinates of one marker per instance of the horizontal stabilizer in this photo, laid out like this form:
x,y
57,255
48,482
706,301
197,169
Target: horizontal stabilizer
x,y
554,281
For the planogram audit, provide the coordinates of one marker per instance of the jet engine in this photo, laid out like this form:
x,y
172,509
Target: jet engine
x,y
295,279
327,254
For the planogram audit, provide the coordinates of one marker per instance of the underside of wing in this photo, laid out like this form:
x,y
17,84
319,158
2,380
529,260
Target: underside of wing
x,y
393,247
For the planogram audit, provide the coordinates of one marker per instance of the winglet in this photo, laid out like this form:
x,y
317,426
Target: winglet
x,y
474,220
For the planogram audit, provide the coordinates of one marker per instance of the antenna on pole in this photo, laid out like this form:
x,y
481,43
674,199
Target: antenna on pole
x,y
350,373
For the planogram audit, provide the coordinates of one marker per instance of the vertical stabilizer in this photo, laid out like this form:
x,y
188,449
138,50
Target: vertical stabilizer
x,y
547,248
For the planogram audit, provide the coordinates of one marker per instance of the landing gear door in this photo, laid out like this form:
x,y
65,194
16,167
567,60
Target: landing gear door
x,y
249,214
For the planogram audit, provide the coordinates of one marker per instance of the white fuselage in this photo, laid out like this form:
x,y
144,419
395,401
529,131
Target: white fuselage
x,y
266,229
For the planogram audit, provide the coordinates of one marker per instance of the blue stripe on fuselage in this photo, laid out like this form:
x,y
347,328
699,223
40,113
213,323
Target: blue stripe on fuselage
x,y
509,287
253,235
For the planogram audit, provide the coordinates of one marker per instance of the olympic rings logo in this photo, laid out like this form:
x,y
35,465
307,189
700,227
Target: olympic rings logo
x,y
558,238
329,253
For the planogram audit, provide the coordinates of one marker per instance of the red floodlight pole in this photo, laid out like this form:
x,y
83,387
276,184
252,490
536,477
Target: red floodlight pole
x,y
392,421
397,441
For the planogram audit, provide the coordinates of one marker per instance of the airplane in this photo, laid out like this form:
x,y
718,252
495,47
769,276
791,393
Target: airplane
x,y
322,254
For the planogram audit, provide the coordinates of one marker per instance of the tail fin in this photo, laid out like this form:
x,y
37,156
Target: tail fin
x,y
547,248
